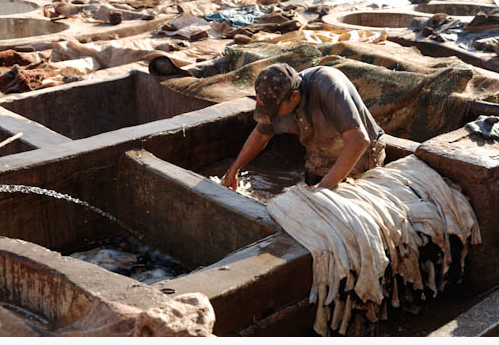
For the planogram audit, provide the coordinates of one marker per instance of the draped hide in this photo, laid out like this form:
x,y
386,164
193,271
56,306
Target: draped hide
x,y
367,238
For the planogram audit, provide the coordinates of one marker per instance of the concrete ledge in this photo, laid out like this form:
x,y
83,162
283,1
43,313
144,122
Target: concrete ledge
x,y
480,320
472,162
60,288
253,284
34,135
473,157
397,148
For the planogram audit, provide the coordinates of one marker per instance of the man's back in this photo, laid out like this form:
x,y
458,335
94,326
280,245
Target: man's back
x,y
329,106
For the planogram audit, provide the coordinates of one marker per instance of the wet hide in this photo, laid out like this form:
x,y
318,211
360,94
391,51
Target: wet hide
x,y
366,236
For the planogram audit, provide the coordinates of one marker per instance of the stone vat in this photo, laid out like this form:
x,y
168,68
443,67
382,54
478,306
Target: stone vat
x,y
83,109
8,7
13,28
452,8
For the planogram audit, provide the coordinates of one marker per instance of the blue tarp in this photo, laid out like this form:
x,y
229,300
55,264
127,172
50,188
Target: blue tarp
x,y
241,16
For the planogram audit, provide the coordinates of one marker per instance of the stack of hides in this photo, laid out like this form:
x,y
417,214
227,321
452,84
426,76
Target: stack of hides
x,y
382,239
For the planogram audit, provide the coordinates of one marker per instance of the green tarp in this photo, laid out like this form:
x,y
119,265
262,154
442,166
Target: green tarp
x,y
410,95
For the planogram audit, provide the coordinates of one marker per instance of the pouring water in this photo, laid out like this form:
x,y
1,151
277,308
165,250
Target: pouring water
x,y
14,188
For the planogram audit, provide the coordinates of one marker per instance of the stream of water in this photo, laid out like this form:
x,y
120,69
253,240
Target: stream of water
x,y
124,255
15,188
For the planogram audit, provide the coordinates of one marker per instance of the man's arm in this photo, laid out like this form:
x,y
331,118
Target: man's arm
x,y
356,142
255,143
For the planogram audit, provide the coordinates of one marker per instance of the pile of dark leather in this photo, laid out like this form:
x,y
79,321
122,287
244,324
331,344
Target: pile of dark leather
x,y
436,26
19,74
484,21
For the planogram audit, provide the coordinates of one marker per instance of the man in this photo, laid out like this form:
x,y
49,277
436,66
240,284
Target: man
x,y
324,109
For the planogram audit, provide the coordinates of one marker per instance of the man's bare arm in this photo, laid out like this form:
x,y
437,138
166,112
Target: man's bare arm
x,y
255,143
356,142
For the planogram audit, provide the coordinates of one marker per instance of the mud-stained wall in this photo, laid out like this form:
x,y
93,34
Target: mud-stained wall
x,y
52,222
192,147
193,219
156,102
80,110
32,286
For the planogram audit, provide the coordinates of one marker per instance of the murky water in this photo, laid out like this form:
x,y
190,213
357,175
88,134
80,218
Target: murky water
x,y
14,188
130,257
262,179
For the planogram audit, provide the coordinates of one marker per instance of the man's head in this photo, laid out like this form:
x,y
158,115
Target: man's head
x,y
274,85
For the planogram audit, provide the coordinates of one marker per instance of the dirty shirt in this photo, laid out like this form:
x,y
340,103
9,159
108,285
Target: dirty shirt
x,y
330,105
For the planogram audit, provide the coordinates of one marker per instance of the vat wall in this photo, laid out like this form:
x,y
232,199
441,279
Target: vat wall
x,y
83,109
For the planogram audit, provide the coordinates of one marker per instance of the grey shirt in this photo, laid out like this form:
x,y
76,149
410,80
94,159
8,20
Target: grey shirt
x,y
329,106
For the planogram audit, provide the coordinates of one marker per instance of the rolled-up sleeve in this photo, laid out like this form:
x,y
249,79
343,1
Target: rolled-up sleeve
x,y
340,109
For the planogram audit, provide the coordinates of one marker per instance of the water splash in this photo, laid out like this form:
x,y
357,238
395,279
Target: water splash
x,y
265,177
262,185
15,188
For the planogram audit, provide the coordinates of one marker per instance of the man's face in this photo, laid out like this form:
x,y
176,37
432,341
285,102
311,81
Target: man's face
x,y
288,106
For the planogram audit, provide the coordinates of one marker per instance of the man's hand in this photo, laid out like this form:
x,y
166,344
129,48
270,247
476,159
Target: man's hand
x,y
329,182
255,143
230,180
312,187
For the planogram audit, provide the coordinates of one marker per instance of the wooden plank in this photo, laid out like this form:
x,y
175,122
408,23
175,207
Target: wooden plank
x,y
11,139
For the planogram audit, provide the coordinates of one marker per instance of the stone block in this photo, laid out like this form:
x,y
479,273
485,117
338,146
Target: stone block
x,y
473,163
